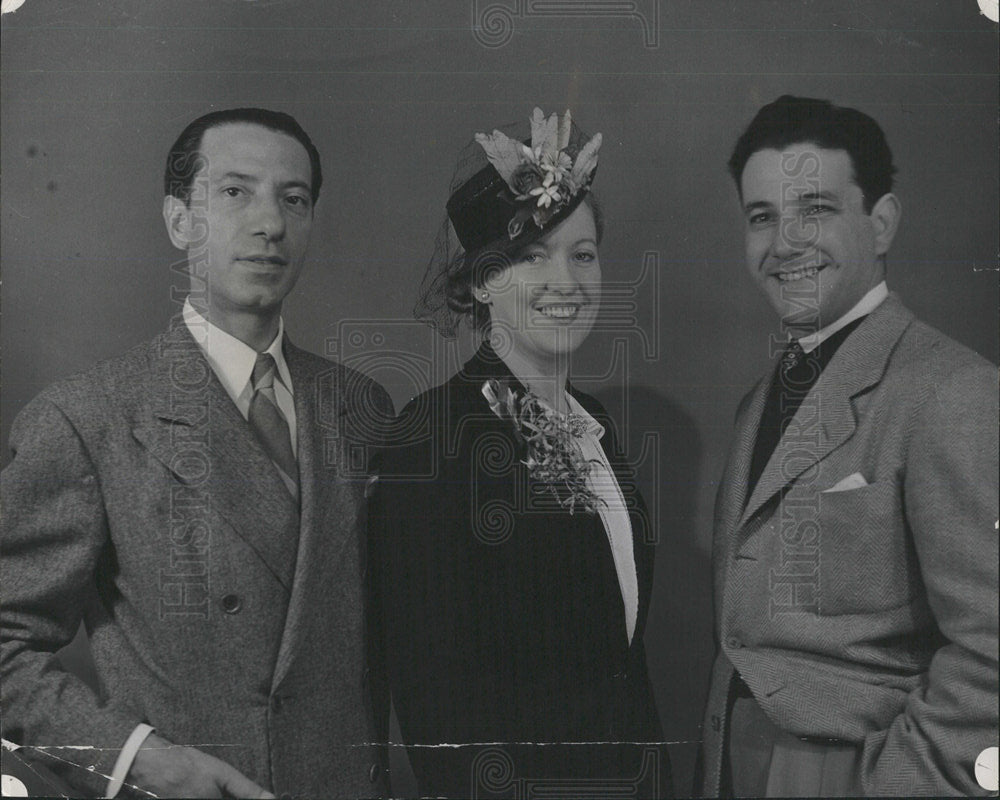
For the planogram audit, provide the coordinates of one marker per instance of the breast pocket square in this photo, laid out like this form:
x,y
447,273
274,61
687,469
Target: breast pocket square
x,y
854,481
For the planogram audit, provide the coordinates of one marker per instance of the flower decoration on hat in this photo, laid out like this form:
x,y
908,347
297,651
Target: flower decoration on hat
x,y
543,178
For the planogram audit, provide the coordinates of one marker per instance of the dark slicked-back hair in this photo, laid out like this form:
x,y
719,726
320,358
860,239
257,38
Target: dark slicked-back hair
x,y
185,160
793,120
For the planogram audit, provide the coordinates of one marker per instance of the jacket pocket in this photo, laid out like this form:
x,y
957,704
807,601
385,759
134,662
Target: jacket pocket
x,y
867,563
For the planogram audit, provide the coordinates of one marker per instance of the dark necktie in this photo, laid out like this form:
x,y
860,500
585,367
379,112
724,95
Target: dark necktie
x,y
269,423
795,376
783,400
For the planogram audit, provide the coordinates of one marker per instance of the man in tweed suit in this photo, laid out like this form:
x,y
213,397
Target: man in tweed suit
x,y
192,501
855,554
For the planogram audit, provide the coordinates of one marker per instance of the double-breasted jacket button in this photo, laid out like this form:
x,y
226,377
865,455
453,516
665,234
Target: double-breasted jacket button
x,y
232,603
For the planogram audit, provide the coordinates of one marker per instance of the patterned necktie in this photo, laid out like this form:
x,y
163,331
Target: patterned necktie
x,y
269,423
792,356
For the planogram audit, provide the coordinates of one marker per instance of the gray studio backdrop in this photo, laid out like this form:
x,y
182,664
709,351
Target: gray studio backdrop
x,y
93,95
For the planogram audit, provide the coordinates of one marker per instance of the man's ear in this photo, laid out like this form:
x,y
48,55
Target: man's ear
x,y
885,216
177,217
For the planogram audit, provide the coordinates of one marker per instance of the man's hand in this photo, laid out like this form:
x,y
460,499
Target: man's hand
x,y
171,770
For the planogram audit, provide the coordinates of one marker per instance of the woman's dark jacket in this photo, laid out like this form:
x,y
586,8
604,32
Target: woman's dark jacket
x,y
498,617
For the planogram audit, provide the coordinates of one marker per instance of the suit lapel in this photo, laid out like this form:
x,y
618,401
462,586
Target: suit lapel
x,y
733,489
643,535
826,416
329,504
643,550
195,430
826,419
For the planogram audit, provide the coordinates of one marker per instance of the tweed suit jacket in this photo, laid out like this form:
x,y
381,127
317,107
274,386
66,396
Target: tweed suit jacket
x,y
868,615
218,611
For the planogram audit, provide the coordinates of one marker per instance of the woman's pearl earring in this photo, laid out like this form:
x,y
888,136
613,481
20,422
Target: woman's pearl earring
x,y
485,296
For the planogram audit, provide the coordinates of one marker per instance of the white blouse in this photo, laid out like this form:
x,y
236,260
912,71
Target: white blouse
x,y
614,514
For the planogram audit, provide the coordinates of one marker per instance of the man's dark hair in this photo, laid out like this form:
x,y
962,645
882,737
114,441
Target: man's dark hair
x,y
793,120
184,161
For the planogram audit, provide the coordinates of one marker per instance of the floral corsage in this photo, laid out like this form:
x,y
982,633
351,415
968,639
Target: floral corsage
x,y
553,456
542,178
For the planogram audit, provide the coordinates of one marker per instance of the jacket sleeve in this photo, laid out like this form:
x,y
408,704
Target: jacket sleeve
x,y
950,504
54,535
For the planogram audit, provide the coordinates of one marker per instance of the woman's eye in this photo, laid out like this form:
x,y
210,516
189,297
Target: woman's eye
x,y
586,257
532,258
759,219
232,191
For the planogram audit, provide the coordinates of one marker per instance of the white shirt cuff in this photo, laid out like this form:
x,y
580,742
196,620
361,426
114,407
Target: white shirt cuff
x,y
125,758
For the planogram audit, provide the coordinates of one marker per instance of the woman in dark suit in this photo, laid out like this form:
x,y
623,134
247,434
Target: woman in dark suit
x,y
511,554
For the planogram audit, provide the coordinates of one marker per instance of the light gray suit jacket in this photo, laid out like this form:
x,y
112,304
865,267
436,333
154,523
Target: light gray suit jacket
x,y
139,500
868,615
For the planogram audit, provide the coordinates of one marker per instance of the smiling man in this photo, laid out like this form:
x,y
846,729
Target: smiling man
x,y
855,545
191,502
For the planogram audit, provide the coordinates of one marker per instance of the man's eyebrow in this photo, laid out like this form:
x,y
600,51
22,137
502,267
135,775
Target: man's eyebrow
x,y
239,176
758,205
296,185
805,197
819,196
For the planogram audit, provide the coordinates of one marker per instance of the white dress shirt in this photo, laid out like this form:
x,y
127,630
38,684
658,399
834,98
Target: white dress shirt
x,y
232,361
872,299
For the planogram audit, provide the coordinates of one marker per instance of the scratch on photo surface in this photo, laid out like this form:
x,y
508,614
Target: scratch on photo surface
x,y
27,764
44,750
11,746
535,744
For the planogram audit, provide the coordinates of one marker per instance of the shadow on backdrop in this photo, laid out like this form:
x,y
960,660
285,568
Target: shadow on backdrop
x,y
679,645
